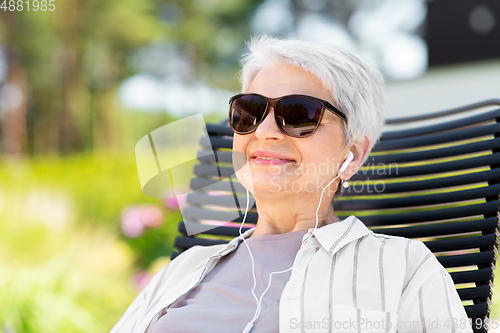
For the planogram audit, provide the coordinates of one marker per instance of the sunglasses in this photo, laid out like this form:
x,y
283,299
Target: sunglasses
x,y
297,116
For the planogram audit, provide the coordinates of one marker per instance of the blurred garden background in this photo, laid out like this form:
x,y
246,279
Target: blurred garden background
x,y
81,82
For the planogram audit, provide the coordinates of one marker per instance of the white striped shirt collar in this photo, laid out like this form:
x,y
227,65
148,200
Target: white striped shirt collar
x,y
333,237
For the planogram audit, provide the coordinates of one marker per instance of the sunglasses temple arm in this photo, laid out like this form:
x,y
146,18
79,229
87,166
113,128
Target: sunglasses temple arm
x,y
336,111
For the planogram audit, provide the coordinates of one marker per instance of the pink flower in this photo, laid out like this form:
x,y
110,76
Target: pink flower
x,y
152,216
171,203
131,222
141,279
175,200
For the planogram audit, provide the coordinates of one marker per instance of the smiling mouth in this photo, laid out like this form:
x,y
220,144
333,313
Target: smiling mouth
x,y
272,160
269,158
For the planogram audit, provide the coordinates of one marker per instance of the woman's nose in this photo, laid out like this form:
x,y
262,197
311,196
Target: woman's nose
x,y
268,129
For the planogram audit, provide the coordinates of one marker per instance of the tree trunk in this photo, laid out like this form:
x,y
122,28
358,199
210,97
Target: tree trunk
x,y
14,99
68,129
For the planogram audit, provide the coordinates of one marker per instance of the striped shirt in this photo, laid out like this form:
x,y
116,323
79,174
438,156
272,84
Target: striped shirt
x,y
345,278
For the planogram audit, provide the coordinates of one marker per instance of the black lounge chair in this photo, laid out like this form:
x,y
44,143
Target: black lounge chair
x,y
438,183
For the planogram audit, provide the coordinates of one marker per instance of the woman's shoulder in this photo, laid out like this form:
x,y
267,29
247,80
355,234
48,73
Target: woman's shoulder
x,y
398,243
195,256
412,255
412,250
401,243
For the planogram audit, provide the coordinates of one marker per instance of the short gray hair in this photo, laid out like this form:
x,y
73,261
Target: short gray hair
x,y
356,87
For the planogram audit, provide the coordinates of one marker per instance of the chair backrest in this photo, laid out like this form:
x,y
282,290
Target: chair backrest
x,y
438,183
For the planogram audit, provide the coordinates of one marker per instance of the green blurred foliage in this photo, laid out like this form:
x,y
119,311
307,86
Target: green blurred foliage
x,y
100,186
83,286
155,243
65,265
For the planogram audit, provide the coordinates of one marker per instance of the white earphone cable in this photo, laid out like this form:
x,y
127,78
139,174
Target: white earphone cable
x,y
250,252
317,209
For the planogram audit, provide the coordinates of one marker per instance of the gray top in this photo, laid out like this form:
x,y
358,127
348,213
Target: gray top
x,y
223,301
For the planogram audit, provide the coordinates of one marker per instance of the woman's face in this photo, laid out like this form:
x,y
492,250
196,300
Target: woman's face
x,y
277,163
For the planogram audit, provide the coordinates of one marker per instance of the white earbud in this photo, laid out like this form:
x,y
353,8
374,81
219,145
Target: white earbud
x,y
348,160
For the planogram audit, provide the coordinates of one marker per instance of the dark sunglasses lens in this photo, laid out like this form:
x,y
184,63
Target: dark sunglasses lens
x,y
246,112
298,116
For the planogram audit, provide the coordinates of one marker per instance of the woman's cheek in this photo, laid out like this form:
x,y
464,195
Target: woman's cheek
x,y
242,169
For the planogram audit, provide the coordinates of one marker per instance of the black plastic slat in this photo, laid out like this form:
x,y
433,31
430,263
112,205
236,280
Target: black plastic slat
x,y
214,129
183,243
477,310
440,114
174,254
455,150
206,184
209,170
426,169
201,199
478,275
480,292
417,200
463,243
195,213
469,259
445,126
210,156
439,138
429,215
450,228
217,231
216,142
422,185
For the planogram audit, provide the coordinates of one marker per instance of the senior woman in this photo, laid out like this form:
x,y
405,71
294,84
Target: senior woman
x,y
305,123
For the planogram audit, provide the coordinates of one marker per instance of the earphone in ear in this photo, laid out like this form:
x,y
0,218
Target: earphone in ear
x,y
348,160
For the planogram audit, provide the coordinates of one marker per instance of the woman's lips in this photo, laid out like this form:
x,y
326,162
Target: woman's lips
x,y
269,160
266,157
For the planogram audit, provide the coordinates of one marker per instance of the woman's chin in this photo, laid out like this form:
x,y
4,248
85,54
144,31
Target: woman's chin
x,y
271,186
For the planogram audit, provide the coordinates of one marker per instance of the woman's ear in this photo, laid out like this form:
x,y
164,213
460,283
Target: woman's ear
x,y
360,150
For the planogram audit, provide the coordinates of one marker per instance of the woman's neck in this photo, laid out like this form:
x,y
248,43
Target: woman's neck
x,y
292,213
